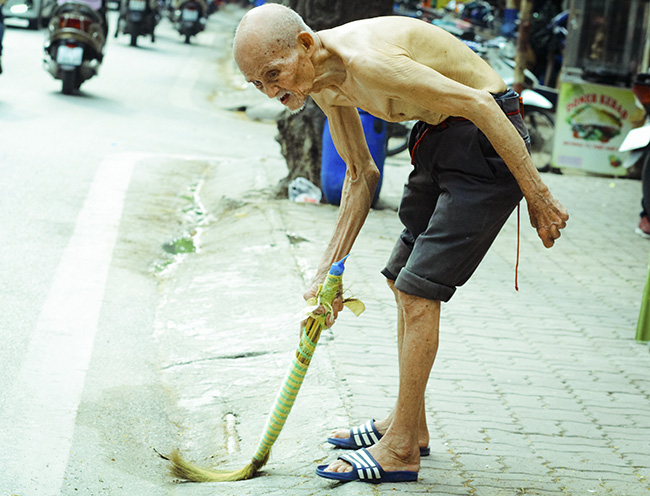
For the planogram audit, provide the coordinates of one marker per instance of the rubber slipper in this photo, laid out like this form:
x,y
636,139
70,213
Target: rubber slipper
x,y
364,436
366,469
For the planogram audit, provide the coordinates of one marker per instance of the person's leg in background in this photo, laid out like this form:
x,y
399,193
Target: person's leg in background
x,y
2,32
644,222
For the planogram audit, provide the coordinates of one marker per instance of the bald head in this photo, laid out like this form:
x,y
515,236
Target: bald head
x,y
270,27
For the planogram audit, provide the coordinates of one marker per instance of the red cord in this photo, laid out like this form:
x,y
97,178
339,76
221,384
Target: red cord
x,y
518,231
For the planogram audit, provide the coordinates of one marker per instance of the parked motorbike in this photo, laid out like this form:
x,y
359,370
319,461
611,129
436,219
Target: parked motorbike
x,y
190,18
74,48
547,42
138,18
479,13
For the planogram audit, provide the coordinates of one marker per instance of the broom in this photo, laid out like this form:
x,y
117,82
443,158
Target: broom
x,y
286,397
643,323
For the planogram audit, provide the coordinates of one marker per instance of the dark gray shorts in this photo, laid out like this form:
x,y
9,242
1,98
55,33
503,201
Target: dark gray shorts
x,y
456,200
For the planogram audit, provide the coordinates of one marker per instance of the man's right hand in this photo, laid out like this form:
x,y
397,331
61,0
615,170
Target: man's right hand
x,y
337,303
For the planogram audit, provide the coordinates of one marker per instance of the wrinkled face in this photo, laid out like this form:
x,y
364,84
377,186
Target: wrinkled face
x,y
286,75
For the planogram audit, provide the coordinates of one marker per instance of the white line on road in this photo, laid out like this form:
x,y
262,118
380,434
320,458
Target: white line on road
x,y
36,433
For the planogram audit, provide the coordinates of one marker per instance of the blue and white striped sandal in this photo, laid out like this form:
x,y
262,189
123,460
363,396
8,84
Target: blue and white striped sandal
x,y
366,469
364,436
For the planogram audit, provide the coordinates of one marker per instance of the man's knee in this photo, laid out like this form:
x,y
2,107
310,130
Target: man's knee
x,y
416,306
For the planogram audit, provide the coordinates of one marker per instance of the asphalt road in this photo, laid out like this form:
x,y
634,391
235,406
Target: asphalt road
x,y
94,190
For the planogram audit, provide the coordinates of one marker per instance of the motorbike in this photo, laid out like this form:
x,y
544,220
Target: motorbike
x,y
138,18
547,42
190,18
479,13
74,48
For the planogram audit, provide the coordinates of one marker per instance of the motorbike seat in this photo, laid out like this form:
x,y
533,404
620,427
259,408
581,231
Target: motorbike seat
x,y
77,8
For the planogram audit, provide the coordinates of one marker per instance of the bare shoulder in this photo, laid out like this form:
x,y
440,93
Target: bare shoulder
x,y
389,35
382,46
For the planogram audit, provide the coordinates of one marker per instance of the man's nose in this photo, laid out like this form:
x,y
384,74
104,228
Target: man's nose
x,y
271,90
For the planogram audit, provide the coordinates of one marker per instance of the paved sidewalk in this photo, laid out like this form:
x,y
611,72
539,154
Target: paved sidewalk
x,y
541,391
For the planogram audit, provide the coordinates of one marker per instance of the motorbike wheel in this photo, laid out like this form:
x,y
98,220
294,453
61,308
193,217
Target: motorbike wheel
x,y
397,137
134,39
541,128
69,82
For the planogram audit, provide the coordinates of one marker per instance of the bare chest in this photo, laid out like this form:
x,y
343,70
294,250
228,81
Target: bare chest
x,y
378,104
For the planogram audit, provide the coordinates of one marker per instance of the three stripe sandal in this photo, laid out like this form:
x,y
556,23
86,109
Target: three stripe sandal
x,y
366,469
364,436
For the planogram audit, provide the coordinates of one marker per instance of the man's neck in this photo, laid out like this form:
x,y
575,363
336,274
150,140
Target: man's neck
x,y
328,67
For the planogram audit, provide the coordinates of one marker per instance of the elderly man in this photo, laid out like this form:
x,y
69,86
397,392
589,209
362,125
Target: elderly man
x,y
471,167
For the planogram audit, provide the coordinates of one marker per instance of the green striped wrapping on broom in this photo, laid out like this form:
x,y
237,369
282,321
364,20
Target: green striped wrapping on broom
x,y
286,397
643,322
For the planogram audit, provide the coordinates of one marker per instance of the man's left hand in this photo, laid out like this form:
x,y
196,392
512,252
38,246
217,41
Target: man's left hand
x,y
548,216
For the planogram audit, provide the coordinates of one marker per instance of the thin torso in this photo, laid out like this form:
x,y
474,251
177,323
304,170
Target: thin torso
x,y
394,42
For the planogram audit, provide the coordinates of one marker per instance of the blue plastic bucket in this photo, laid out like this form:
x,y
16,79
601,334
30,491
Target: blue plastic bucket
x,y
332,171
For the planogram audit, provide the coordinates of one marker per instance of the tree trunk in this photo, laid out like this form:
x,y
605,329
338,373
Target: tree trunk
x,y
300,135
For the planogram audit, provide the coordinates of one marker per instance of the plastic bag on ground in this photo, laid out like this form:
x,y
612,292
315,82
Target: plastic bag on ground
x,y
302,190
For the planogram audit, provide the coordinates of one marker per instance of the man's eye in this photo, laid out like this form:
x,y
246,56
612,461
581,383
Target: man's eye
x,y
257,84
273,74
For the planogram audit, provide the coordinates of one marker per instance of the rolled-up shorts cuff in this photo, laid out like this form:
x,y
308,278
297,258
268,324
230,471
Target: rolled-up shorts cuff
x,y
412,284
398,258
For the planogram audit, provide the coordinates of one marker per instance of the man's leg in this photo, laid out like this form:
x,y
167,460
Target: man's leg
x,y
383,424
398,449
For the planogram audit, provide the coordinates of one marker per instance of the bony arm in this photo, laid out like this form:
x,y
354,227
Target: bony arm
x,y
424,86
547,215
361,178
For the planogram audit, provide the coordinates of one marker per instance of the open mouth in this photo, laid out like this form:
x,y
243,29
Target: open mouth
x,y
285,98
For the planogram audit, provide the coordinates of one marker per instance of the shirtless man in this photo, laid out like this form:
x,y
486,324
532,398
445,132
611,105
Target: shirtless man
x,y
471,168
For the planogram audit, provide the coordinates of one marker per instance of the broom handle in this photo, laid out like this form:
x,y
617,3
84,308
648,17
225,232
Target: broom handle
x,y
298,369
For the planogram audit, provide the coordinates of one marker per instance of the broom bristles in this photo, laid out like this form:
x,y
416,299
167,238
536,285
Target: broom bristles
x,y
189,472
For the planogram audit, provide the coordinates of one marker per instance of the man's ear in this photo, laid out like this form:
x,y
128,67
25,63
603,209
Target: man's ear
x,y
306,40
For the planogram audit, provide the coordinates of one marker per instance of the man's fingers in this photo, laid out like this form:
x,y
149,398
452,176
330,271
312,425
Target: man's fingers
x,y
548,220
310,293
549,235
545,236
